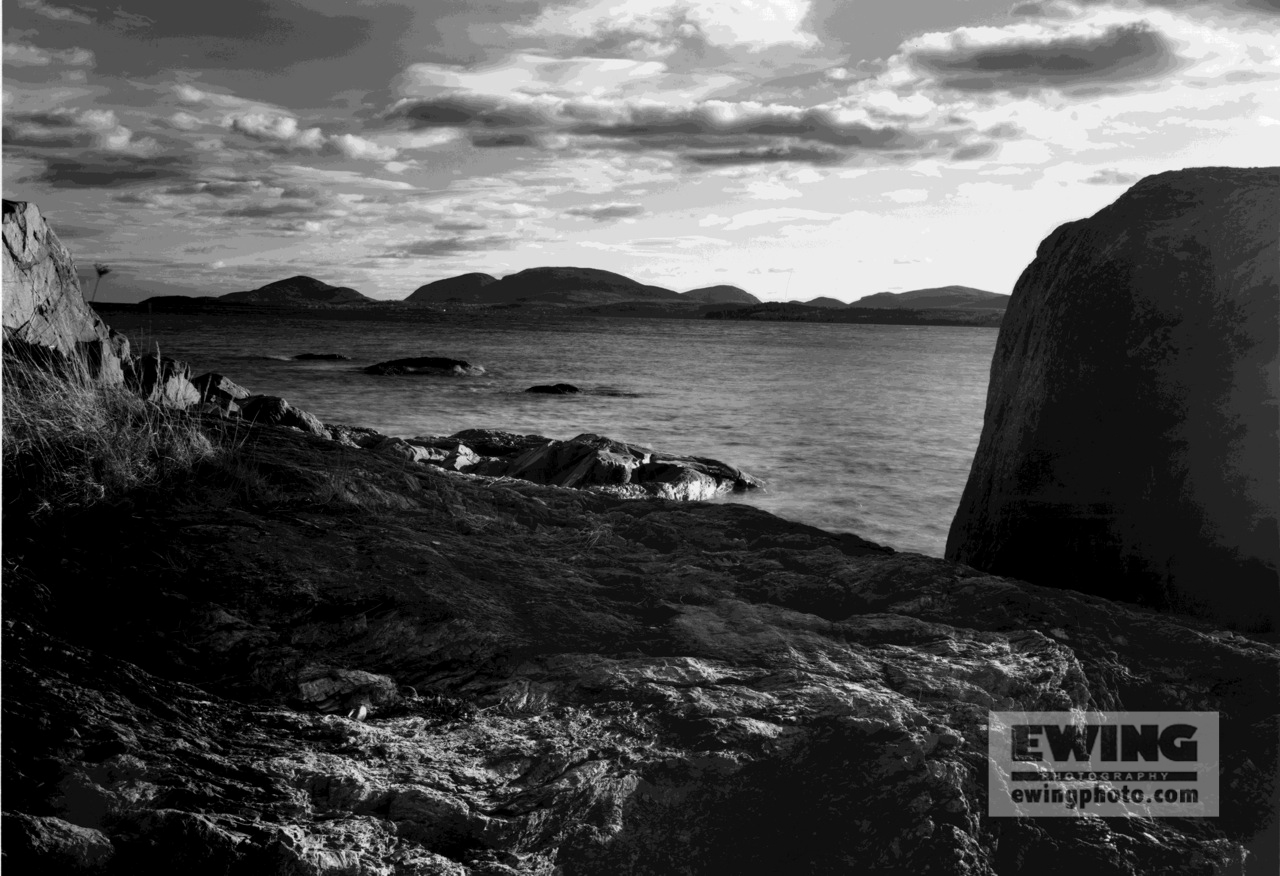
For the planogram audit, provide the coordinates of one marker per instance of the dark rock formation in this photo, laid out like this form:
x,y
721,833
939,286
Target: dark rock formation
x,y
587,462
275,411
466,287
557,680
219,389
1130,442
721,295
45,315
321,357
555,389
428,365
943,297
161,380
297,291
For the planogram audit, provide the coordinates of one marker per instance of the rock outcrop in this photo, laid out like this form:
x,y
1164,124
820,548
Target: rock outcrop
x,y
45,314
428,365
275,411
556,681
161,380
586,462
1130,447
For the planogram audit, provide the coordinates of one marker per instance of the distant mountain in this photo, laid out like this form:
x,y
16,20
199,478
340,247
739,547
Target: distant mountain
x,y
465,287
581,286
824,301
299,290
932,299
721,295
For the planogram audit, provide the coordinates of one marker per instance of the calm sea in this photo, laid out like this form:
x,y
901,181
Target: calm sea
x,y
855,428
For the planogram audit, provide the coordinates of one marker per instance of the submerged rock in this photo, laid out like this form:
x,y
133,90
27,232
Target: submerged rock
x,y
429,365
1130,441
321,357
555,389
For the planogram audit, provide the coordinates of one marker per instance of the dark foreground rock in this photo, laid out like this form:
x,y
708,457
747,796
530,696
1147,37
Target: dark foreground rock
x,y
554,389
425,365
555,681
1131,446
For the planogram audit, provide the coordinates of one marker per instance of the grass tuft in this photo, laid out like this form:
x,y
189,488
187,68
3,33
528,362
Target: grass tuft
x,y
71,442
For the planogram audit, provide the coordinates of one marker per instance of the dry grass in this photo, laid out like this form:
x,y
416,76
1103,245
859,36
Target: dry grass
x,y
70,442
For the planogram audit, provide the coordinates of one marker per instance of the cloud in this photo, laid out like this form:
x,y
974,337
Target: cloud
x,y
606,212
447,245
907,196
358,148
471,109
276,128
55,13
776,216
1038,56
658,28
1112,178
21,55
107,171
503,140
975,151
71,128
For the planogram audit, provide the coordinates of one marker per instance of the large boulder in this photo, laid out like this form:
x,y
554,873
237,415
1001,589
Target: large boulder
x,y
1130,442
45,314
275,411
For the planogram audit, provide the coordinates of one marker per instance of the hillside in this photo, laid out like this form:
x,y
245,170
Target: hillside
x,y
721,295
941,297
298,291
465,287
568,285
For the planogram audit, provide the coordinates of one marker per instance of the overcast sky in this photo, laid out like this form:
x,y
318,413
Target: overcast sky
x,y
794,148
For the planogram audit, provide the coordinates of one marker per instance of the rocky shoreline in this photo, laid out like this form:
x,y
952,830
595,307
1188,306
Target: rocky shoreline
x,y
315,654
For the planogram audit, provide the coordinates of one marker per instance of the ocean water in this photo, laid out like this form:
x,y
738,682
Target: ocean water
x,y
854,428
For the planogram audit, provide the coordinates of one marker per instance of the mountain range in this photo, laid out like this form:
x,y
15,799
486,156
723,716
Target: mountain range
x,y
583,287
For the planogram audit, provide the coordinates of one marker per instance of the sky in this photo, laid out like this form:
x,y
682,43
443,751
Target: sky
x,y
793,148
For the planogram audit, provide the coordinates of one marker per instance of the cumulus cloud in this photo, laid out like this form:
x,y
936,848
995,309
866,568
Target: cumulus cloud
x,y
358,148
606,212
1038,56
55,13
22,55
1112,178
275,128
71,128
659,27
